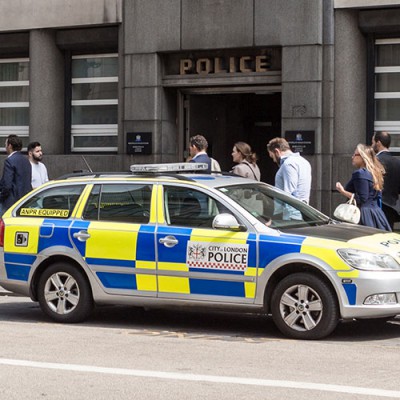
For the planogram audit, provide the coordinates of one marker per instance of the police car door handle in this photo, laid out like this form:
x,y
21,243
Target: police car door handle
x,y
81,236
169,241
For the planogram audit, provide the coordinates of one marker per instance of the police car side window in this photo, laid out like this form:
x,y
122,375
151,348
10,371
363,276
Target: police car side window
x,y
188,207
119,203
57,202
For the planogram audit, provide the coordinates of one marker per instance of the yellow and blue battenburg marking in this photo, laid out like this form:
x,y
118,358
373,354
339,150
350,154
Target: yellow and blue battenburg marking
x,y
18,266
325,249
56,232
128,247
19,255
203,262
273,247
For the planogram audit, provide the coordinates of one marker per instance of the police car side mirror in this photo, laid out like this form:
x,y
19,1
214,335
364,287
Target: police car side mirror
x,y
229,222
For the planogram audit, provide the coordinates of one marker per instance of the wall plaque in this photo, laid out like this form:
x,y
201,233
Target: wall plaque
x,y
302,142
139,142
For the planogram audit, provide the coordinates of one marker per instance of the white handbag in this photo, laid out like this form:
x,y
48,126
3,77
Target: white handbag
x,y
348,212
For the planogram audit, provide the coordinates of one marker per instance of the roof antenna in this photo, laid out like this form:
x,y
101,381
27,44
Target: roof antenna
x,y
87,164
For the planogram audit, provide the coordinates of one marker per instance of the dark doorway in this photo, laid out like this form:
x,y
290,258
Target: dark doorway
x,y
228,118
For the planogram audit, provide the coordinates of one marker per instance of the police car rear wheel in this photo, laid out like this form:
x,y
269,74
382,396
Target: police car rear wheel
x,y
64,293
304,307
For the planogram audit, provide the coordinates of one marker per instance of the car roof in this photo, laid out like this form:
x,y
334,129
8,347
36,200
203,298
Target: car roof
x,y
221,180
209,180
190,172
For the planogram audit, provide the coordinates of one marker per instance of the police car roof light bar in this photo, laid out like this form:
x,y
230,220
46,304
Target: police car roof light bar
x,y
169,167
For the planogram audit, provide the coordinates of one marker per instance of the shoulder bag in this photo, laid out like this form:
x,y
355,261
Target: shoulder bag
x,y
252,170
348,212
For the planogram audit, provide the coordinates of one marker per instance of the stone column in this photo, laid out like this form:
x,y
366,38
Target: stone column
x,y
46,87
350,95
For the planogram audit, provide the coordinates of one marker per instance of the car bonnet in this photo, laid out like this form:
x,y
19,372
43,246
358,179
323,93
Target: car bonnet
x,y
353,236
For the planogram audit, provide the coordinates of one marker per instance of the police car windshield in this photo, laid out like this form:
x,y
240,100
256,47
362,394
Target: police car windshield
x,y
273,207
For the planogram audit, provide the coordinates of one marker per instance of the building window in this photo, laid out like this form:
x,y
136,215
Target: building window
x,y
14,98
387,89
94,104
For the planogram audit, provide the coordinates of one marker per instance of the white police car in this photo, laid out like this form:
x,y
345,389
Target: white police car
x,y
156,237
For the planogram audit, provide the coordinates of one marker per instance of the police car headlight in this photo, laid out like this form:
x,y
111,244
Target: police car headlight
x,y
368,261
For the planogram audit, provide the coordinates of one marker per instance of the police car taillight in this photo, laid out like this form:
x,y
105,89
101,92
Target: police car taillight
x,y
2,229
168,167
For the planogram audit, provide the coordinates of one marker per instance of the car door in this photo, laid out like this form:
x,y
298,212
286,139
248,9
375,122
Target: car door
x,y
195,261
119,240
41,224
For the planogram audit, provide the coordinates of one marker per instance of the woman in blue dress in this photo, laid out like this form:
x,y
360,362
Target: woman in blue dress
x,y
366,184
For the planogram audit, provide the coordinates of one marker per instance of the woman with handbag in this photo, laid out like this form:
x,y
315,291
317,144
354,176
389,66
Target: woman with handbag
x,y
246,161
366,184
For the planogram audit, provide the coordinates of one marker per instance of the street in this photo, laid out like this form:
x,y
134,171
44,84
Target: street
x,y
126,352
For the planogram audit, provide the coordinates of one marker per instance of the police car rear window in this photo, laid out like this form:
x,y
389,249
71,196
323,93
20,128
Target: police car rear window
x,y
56,202
128,203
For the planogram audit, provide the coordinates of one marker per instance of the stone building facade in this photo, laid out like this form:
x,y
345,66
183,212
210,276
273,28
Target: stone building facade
x,y
109,83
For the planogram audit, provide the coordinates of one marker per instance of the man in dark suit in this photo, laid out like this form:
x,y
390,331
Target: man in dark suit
x,y
198,151
391,185
17,174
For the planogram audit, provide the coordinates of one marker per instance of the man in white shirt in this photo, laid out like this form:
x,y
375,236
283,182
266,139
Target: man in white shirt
x,y
39,170
293,176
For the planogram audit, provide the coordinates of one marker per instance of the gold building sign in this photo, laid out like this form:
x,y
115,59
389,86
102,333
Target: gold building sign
x,y
224,65
222,62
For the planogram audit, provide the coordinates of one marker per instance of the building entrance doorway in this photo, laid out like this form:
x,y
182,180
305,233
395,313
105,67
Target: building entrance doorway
x,y
224,119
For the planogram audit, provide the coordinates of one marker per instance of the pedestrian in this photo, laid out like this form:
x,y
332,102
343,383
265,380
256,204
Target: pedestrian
x,y
16,180
198,151
391,179
366,184
39,170
215,167
294,173
246,161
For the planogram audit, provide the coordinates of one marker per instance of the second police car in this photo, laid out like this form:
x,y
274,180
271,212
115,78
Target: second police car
x,y
161,238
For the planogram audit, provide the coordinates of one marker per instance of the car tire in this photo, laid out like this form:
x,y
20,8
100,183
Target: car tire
x,y
64,293
303,306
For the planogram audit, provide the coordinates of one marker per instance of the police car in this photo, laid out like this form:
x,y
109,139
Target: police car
x,y
164,235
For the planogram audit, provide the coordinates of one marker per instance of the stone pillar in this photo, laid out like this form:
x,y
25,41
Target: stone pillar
x,y
302,101
46,88
350,95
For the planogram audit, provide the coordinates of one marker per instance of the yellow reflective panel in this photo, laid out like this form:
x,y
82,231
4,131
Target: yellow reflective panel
x,y
164,266
146,264
218,236
172,284
251,271
250,290
351,274
146,282
380,243
82,202
325,250
250,287
112,240
156,206
24,237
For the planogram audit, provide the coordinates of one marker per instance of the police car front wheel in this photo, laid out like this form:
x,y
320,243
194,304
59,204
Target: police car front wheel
x,y
304,307
64,293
